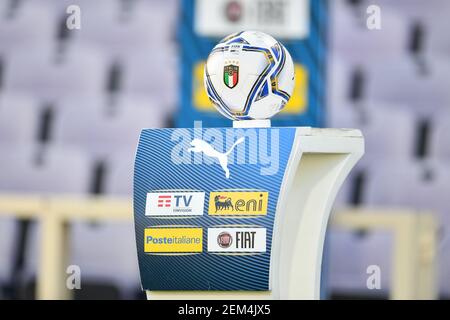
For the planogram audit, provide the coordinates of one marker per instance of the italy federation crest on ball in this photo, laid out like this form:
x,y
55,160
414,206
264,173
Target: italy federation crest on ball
x,y
249,75
231,75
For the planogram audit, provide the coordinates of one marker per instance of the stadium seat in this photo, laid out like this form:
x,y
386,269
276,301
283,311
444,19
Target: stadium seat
x,y
153,76
119,177
340,98
88,5
374,119
401,82
26,169
351,253
339,77
416,8
389,130
434,190
405,178
117,32
104,131
440,137
106,252
427,181
18,120
38,73
437,41
342,271
432,16
19,31
352,39
421,187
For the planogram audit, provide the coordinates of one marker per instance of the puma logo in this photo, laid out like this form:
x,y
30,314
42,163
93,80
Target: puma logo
x,y
198,145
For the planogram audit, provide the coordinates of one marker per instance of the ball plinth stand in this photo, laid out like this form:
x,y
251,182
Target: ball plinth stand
x,y
316,163
320,161
262,123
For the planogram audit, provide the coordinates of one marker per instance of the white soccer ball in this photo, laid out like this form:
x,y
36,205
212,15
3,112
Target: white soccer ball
x,y
249,75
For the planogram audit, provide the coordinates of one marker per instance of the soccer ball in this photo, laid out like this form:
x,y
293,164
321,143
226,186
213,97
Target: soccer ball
x,y
249,75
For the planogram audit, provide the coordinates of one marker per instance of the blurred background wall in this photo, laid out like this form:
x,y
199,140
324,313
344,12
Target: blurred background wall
x,y
72,104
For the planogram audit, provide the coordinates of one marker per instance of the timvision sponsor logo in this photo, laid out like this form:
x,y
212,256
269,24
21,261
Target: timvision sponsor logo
x,y
233,203
173,240
174,203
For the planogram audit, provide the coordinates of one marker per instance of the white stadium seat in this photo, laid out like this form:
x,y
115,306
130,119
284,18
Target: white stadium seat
x,y
100,131
422,187
391,183
119,179
435,189
339,78
400,81
440,137
154,76
432,19
26,169
106,252
413,184
37,73
117,33
352,39
435,9
344,272
351,253
61,171
61,5
428,182
18,120
389,129
437,41
32,26
339,86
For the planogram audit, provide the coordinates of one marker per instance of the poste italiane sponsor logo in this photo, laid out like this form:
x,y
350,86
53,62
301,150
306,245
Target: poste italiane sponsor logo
x,y
237,240
173,240
245,203
171,203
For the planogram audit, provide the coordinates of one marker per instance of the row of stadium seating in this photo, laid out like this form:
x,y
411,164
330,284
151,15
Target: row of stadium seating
x,y
105,254
72,104
84,73
397,81
97,129
412,27
392,84
408,29
108,128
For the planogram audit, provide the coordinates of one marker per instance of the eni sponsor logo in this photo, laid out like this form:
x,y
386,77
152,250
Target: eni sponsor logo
x,y
173,240
238,203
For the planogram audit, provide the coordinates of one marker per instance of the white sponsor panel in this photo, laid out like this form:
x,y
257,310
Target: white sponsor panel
x,y
237,239
174,203
287,19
